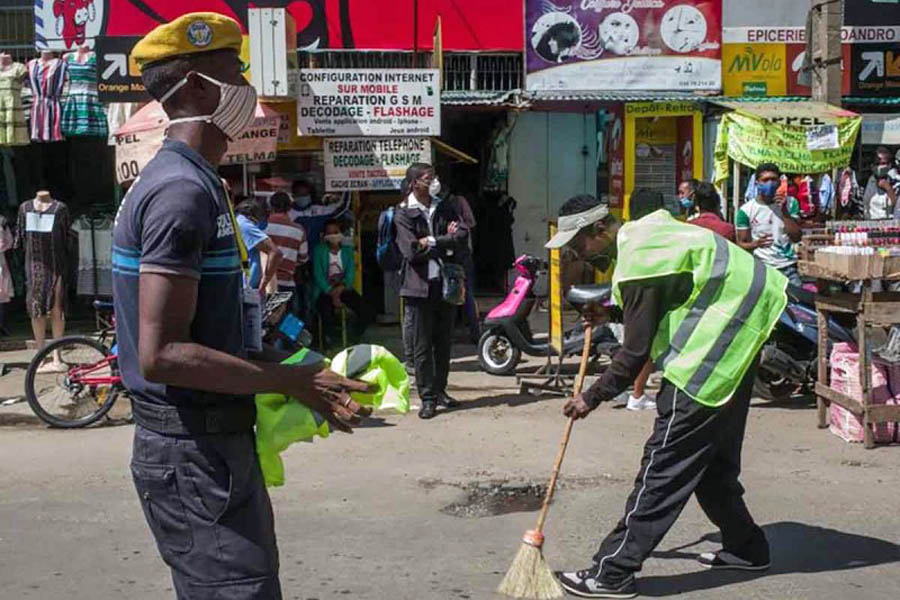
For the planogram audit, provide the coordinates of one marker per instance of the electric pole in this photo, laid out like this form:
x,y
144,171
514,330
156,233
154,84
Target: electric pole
x,y
824,50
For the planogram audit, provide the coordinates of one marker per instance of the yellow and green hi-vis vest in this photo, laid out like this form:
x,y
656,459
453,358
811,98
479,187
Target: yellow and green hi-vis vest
x,y
705,346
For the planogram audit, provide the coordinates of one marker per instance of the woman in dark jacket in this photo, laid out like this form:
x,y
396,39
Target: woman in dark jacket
x,y
429,234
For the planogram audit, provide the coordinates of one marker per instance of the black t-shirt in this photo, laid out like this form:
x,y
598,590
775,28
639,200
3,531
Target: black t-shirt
x,y
175,220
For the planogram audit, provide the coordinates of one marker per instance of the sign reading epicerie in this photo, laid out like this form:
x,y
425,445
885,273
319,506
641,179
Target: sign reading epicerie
x,y
369,102
371,163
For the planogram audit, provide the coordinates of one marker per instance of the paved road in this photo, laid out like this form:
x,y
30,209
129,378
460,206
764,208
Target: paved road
x,y
361,516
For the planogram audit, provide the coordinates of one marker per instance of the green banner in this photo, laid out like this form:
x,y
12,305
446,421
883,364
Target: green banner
x,y
752,140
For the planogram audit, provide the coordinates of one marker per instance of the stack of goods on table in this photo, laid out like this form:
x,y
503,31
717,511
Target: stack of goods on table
x,y
862,249
845,378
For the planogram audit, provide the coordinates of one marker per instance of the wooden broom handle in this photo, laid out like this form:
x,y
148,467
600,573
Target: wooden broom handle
x,y
579,383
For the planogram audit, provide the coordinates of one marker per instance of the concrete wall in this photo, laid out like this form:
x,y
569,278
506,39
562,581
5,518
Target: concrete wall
x,y
552,157
772,13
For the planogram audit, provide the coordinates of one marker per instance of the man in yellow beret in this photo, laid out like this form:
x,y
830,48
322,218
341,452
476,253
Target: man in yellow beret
x,y
190,351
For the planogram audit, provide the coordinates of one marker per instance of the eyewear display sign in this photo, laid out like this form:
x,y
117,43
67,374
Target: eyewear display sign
x,y
353,164
623,44
369,102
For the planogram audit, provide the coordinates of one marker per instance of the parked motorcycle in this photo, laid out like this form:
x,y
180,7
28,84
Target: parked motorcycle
x,y
507,333
789,360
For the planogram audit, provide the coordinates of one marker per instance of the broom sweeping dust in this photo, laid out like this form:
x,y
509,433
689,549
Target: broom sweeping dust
x,y
529,576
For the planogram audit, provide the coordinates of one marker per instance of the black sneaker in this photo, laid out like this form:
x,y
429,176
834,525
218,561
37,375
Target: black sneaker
x,y
587,584
722,560
446,401
427,411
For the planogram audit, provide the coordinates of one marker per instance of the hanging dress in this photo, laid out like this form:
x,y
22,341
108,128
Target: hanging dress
x,y
83,114
44,235
13,130
6,243
47,79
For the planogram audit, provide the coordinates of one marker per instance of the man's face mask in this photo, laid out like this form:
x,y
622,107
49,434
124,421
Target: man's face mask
x,y
602,258
237,105
302,202
435,188
334,238
767,190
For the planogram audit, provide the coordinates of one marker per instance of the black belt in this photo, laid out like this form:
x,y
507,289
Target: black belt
x,y
235,417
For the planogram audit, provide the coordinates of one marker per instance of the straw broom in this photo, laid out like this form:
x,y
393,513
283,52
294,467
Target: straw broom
x,y
529,576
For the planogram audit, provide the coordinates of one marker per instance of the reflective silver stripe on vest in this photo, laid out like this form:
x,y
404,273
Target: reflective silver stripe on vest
x,y
704,299
698,379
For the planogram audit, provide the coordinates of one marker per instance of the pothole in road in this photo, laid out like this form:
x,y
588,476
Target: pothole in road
x,y
488,499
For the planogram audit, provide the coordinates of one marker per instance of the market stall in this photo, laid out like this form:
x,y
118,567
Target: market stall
x,y
803,138
858,388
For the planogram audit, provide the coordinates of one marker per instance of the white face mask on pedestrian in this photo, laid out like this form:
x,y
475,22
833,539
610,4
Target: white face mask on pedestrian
x,y
435,187
237,106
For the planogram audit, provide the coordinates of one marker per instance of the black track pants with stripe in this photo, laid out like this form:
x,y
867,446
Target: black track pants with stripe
x,y
693,449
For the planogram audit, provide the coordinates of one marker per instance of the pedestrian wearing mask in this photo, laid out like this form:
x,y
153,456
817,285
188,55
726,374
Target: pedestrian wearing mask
x,y
334,272
708,212
430,233
880,197
768,227
190,364
687,197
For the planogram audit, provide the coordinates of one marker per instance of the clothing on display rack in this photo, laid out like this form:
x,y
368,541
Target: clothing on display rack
x,y
6,281
94,255
117,113
43,234
47,79
83,114
13,129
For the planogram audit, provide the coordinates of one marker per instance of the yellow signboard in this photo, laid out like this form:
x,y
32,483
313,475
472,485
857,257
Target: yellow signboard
x,y
556,324
754,69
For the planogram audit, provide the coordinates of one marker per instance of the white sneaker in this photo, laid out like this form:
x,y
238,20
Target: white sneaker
x,y
642,403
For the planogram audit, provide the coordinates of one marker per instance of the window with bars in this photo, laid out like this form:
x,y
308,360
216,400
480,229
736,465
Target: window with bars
x,y
17,29
462,71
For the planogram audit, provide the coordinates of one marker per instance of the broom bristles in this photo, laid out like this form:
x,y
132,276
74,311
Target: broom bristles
x,y
529,576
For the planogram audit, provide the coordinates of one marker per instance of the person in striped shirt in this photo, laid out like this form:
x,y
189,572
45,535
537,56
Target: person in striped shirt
x,y
290,238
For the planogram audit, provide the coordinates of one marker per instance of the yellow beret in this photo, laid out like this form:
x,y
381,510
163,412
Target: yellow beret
x,y
188,34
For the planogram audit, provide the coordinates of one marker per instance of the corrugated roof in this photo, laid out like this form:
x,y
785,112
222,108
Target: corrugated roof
x,y
609,96
476,97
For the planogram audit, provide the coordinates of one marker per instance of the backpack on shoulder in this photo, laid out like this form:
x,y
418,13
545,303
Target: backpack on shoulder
x,y
387,252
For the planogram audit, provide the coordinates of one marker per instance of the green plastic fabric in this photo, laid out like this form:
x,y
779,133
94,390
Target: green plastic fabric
x,y
282,420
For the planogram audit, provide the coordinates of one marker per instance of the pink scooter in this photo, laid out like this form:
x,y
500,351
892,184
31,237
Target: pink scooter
x,y
507,333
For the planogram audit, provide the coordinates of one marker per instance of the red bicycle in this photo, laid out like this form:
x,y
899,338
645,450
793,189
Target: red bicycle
x,y
74,381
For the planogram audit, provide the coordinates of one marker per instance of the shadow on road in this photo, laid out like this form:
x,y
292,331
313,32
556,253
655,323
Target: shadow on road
x,y
511,400
796,548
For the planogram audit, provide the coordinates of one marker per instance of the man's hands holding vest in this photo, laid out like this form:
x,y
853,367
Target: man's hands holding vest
x,y
328,393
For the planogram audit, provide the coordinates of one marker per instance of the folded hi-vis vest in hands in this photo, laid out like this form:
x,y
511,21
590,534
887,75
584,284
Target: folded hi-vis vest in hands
x,y
282,420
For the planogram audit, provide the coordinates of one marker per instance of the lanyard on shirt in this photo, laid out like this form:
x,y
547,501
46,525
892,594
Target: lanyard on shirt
x,y
242,247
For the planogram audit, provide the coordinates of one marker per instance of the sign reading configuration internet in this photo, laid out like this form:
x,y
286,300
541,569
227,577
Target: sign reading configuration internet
x,y
369,102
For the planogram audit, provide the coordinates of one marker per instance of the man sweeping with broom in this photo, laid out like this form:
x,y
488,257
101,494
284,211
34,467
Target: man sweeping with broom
x,y
701,309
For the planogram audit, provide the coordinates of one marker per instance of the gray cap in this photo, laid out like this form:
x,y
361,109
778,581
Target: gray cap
x,y
569,225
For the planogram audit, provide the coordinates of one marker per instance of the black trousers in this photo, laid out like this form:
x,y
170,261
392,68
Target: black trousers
x,y
693,449
207,506
429,325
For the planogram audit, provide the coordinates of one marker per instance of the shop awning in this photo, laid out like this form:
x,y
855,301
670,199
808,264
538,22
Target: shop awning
x,y
449,150
799,137
610,96
141,136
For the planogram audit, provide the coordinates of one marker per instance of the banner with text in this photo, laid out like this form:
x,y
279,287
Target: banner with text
x,y
371,163
623,44
369,102
752,140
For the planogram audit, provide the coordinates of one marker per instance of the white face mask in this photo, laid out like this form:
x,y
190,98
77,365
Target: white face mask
x,y
334,238
435,188
237,105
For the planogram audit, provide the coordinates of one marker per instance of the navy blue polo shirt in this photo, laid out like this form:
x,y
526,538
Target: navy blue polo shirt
x,y
175,220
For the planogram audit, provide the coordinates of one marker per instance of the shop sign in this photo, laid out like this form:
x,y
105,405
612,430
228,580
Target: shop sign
x,y
353,164
751,140
256,144
875,70
369,102
623,44
754,70
881,130
660,109
118,78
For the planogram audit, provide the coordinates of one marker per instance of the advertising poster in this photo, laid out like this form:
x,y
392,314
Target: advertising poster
x,y
321,24
623,44
369,102
616,153
371,163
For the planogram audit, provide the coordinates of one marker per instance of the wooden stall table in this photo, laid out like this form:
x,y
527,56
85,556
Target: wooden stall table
x,y
872,309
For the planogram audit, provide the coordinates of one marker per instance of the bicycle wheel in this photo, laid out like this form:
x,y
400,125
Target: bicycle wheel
x,y
72,382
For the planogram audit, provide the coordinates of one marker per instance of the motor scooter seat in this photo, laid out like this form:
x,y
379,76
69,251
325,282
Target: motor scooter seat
x,y
580,296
